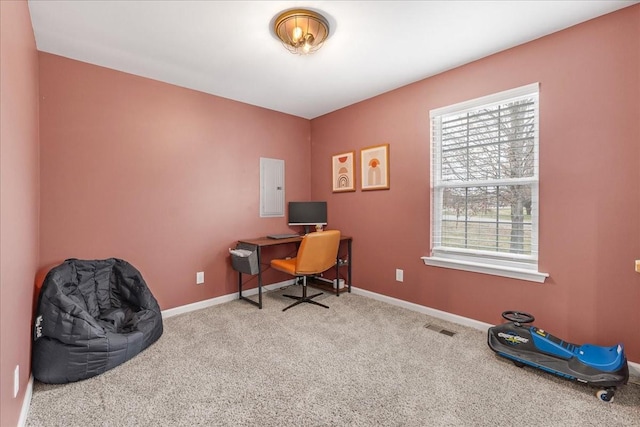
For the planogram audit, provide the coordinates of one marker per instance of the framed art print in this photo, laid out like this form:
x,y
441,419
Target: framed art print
x,y
374,164
342,172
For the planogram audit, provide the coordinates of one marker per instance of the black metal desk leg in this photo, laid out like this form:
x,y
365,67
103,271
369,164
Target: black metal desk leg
x,y
259,278
349,262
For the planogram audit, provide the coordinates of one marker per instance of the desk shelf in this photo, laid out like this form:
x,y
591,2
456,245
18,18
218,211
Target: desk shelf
x,y
327,287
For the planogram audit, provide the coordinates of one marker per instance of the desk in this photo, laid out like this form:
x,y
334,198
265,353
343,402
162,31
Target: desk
x,y
264,242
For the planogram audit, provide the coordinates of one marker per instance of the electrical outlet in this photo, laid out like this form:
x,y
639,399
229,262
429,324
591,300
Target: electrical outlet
x,y
16,381
399,275
199,277
638,266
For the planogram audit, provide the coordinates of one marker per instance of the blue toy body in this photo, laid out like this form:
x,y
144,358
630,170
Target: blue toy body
x,y
603,367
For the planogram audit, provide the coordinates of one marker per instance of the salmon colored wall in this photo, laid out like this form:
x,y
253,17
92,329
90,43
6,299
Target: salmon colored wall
x,y
18,200
164,177
167,178
589,190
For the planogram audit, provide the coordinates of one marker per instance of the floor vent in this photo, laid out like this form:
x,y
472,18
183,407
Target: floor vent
x,y
438,329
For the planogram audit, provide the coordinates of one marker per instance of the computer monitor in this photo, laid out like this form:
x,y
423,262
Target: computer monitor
x,y
307,214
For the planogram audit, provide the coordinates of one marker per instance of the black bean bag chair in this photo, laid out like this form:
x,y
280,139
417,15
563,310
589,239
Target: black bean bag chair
x,y
91,317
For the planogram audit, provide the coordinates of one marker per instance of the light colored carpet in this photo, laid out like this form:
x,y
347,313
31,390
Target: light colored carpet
x,y
360,363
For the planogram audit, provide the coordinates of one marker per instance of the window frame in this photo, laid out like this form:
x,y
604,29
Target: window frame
x,y
518,266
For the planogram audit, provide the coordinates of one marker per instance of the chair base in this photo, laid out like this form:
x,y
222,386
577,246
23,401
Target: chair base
x,y
303,298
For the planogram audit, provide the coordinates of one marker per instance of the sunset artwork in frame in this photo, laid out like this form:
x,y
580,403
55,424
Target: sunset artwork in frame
x,y
374,164
343,174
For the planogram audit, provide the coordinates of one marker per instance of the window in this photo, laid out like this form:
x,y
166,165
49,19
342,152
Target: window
x,y
485,185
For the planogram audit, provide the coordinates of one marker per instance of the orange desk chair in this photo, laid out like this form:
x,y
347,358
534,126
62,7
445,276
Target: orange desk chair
x,y
317,253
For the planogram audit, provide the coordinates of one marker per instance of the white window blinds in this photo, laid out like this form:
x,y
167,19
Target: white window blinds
x,y
485,179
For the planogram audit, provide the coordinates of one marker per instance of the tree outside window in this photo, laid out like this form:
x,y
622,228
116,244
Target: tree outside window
x,y
485,177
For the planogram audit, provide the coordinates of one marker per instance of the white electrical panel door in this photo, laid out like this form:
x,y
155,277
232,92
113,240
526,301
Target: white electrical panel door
x,y
271,187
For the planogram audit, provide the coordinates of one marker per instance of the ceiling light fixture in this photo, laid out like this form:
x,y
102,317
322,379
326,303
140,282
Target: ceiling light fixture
x,y
301,31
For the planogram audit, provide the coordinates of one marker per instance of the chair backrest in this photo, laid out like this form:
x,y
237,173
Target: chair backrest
x,y
318,252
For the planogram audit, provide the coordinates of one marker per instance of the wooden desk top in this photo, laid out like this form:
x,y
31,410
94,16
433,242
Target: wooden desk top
x,y
265,241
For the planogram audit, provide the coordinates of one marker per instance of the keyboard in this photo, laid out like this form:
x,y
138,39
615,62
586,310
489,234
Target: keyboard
x,y
283,236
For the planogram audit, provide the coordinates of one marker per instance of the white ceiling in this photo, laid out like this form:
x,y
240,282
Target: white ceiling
x,y
227,48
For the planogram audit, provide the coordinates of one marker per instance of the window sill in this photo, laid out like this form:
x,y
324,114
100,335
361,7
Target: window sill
x,y
477,267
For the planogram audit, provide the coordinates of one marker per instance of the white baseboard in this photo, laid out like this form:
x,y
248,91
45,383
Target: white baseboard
x,y
634,372
465,321
221,299
634,368
26,403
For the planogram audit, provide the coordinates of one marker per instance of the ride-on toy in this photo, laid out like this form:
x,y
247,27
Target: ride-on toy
x,y
603,367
